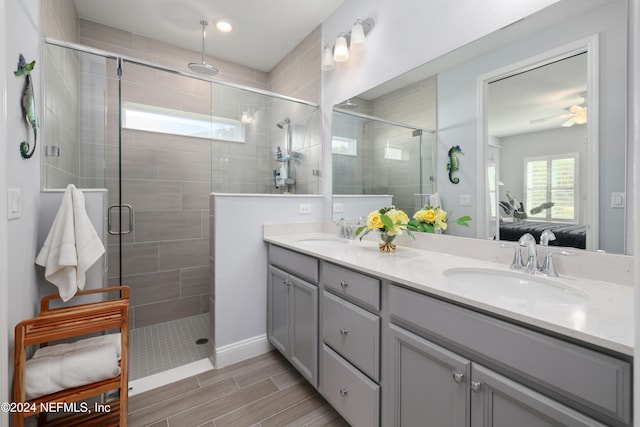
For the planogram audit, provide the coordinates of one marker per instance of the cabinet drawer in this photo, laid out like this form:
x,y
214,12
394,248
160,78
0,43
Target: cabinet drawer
x,y
592,380
301,265
350,284
350,392
353,332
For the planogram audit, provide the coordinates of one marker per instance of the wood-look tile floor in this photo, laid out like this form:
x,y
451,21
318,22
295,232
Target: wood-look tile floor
x,y
265,391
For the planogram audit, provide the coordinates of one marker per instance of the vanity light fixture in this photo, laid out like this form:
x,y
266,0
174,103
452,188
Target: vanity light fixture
x,y
328,63
354,39
341,50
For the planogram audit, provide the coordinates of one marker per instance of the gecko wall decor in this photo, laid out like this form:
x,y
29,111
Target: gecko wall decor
x,y
454,163
28,105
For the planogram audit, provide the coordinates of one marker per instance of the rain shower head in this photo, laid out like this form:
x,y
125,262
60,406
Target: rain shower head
x,y
202,67
347,105
282,123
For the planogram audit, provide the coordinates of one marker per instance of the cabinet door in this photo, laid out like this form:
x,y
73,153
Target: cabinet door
x,y
429,384
304,328
497,401
278,309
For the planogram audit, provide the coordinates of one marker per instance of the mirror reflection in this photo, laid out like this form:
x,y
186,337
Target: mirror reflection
x,y
378,163
463,115
537,152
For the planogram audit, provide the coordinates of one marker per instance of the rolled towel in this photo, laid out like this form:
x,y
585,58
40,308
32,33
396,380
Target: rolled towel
x,y
50,374
62,348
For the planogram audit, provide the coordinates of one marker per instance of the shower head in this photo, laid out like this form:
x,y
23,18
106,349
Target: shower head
x,y
202,67
282,123
347,105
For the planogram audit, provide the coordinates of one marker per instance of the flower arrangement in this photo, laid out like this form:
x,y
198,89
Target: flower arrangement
x,y
434,219
390,222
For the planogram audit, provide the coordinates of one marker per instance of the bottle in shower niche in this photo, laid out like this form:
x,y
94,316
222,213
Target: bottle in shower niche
x,y
278,153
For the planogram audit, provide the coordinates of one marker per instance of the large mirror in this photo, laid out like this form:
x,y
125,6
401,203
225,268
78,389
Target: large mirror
x,y
477,91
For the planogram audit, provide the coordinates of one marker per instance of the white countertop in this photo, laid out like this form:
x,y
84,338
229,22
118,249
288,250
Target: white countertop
x,y
595,312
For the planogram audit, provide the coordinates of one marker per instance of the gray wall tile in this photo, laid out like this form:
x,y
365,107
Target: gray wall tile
x,y
159,226
168,310
184,254
194,281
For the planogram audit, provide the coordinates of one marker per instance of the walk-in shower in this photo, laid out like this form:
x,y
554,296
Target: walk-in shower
x,y
161,141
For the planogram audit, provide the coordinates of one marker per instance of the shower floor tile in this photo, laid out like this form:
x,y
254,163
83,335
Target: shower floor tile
x,y
168,345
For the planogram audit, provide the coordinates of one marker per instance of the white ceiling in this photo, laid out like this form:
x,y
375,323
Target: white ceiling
x,y
542,93
263,31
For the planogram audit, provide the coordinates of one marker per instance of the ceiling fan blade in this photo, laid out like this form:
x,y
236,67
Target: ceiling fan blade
x,y
559,117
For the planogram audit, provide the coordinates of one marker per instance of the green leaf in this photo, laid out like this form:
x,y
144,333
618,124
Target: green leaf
x,y
463,220
388,222
359,230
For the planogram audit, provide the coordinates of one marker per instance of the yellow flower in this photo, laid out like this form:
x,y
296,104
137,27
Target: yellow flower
x,y
441,219
374,220
429,216
403,217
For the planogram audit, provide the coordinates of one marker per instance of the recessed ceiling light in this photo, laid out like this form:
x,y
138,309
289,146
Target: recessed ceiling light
x,y
223,26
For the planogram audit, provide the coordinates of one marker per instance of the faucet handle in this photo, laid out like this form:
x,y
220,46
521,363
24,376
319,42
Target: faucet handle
x,y
546,237
548,268
517,263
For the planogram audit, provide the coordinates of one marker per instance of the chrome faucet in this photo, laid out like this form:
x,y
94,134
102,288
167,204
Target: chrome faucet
x,y
348,227
528,241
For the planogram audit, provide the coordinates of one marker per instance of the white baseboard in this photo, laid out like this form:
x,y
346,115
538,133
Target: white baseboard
x,y
241,350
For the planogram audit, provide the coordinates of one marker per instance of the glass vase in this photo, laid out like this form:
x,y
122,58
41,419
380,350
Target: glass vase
x,y
386,245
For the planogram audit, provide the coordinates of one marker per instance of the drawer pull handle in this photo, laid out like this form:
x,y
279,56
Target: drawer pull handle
x,y
458,377
344,284
344,392
476,386
344,332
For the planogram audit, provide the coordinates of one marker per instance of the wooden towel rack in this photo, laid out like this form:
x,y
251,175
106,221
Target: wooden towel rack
x,y
64,323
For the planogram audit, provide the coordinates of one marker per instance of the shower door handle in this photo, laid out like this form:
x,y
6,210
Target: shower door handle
x,y
119,232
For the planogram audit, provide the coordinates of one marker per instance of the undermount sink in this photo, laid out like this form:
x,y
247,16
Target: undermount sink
x,y
514,285
325,242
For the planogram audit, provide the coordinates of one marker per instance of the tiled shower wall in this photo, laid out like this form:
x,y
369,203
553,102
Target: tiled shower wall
x,y
369,172
168,178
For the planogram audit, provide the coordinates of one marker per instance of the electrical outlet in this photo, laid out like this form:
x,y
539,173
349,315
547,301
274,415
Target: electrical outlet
x,y
617,200
304,209
465,200
338,207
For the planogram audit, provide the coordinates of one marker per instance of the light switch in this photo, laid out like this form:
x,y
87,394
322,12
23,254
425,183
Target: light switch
x,y
465,200
14,203
338,208
617,200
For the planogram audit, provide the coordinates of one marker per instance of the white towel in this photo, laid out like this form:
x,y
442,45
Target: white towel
x,y
62,348
71,247
46,375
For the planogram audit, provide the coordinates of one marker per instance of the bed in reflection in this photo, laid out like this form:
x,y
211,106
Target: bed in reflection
x,y
569,235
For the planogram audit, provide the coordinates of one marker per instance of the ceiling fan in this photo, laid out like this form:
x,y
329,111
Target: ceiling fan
x,y
576,114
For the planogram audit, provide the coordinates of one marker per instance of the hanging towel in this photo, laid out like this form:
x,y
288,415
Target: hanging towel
x,y
71,247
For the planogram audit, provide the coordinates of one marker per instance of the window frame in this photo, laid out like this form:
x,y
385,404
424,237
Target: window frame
x,y
576,188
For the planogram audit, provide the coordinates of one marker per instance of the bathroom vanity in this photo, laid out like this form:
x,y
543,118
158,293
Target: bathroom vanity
x,y
397,339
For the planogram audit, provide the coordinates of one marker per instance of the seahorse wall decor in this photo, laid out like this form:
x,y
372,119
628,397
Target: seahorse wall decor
x,y
454,163
28,105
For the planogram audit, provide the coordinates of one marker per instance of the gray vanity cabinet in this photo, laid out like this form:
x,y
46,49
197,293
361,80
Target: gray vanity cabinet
x,y
429,382
292,313
497,401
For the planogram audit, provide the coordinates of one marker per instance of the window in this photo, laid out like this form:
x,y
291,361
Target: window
x,y
346,146
395,152
176,122
491,181
552,179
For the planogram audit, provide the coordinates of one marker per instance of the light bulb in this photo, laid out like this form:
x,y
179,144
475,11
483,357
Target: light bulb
x,y
341,51
327,58
357,36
